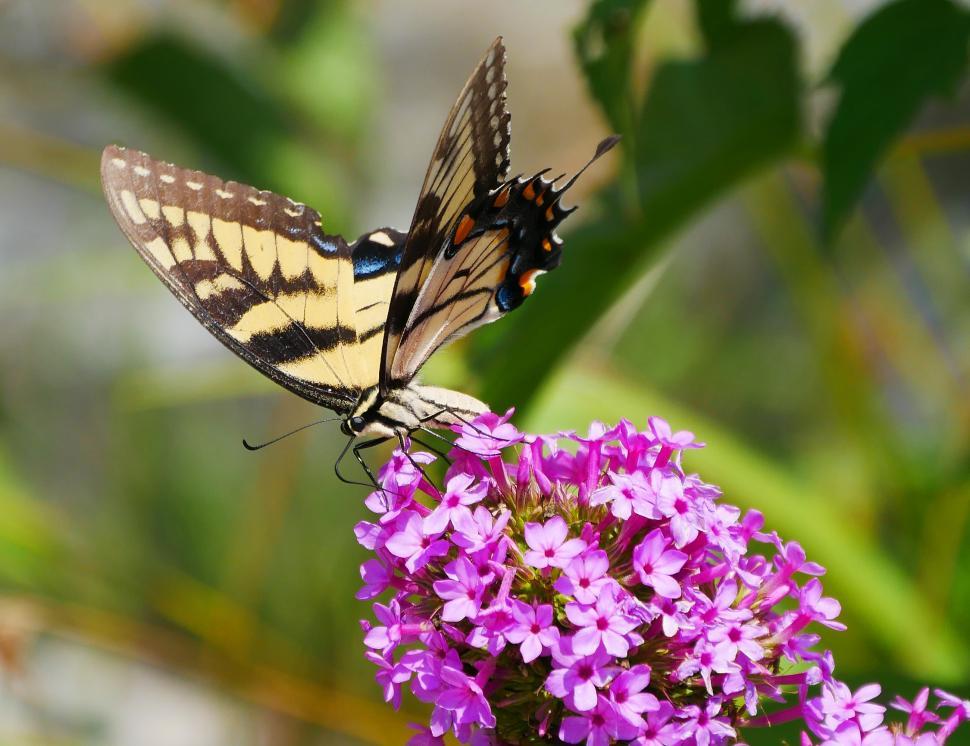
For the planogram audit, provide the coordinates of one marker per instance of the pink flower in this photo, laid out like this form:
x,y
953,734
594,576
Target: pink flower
x,y
603,622
656,565
737,638
463,696
703,725
585,577
659,730
596,727
628,698
424,737
412,544
666,437
453,507
480,530
627,494
489,435
516,631
533,630
385,637
463,592
839,704
376,576
672,502
578,676
548,544
390,676
707,659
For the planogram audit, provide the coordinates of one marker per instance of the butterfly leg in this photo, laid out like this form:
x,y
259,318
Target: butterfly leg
x,y
454,414
415,464
360,459
342,478
430,447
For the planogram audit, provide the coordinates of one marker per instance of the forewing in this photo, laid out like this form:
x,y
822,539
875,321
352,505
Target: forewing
x,y
254,267
470,159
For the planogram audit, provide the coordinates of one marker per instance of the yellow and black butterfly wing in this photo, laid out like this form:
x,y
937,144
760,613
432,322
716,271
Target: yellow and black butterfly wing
x,y
470,159
254,267
376,257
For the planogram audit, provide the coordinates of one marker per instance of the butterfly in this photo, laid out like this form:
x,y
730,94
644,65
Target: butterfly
x,y
349,325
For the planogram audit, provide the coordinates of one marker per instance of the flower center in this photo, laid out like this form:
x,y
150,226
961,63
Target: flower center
x,y
584,582
550,553
597,720
585,671
535,629
602,623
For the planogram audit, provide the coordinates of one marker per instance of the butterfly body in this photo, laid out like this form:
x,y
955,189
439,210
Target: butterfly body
x,y
348,326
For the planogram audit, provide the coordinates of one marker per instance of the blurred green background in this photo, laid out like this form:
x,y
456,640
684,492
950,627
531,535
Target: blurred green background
x,y
777,258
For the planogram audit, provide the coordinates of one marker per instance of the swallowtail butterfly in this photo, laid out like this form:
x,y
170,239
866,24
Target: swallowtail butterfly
x,y
348,326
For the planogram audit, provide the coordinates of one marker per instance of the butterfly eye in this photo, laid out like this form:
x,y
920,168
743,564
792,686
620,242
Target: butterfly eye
x,y
357,424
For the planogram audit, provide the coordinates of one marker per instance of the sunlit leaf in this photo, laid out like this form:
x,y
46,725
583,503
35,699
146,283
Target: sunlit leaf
x,y
705,124
904,54
708,122
604,45
226,113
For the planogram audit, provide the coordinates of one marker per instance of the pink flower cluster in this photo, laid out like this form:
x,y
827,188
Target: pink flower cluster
x,y
586,589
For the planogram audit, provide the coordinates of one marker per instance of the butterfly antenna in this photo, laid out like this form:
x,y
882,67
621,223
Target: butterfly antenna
x,y
249,447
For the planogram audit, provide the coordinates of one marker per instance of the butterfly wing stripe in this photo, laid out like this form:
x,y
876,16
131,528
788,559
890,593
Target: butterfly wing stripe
x,y
457,297
470,158
376,257
227,250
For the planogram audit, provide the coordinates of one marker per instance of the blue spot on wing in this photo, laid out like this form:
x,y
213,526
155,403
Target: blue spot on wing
x,y
372,259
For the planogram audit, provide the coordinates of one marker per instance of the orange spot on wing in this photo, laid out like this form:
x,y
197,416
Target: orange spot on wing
x,y
529,193
501,198
546,244
461,232
539,201
549,213
528,281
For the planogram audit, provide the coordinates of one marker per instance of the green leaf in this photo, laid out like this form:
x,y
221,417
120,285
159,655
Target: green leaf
x,y
225,112
898,58
709,122
705,124
246,129
604,46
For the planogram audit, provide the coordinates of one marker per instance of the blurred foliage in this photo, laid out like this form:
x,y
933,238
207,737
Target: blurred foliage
x,y
934,35
780,263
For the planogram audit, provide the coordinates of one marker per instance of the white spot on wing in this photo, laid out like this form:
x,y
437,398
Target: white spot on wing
x,y
142,171
118,162
255,201
167,178
224,194
382,238
194,185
